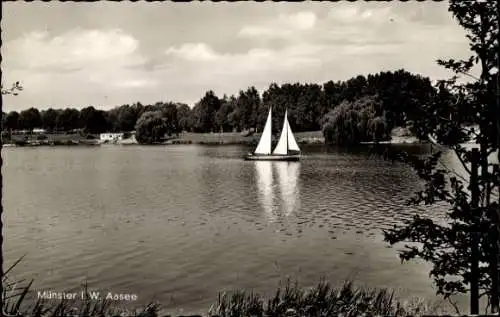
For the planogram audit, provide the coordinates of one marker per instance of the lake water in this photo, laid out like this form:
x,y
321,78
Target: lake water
x,y
178,224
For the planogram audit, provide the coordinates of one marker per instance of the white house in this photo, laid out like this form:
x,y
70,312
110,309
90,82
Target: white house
x,y
112,137
39,131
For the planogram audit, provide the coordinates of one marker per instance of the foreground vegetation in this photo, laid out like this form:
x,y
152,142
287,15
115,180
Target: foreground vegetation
x,y
322,300
289,300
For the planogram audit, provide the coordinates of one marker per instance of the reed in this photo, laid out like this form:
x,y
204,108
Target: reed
x,y
322,300
15,302
289,300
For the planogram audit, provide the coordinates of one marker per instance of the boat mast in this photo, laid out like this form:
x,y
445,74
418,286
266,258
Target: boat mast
x,y
286,122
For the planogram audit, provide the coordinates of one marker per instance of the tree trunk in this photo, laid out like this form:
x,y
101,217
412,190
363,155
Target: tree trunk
x,y
494,272
1,240
495,282
474,260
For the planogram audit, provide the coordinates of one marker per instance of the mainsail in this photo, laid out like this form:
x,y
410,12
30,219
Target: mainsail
x,y
292,144
286,141
264,146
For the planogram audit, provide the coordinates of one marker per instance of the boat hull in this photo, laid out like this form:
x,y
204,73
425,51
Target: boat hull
x,y
289,158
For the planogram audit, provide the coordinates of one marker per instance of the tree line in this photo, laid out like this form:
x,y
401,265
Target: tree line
x,y
393,98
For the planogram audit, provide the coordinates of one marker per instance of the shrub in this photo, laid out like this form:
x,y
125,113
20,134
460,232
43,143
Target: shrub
x,y
322,300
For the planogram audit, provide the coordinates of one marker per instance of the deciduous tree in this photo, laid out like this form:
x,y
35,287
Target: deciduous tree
x,y
68,119
184,117
12,121
30,119
150,127
353,122
204,113
471,234
223,118
49,119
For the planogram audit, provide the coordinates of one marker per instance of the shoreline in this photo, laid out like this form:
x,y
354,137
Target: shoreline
x,y
228,138
191,142
185,138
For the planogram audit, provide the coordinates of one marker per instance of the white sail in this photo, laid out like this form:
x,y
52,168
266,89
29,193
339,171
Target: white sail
x,y
292,144
282,146
265,186
264,146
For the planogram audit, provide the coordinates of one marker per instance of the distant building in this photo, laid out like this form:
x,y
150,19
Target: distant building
x,y
39,131
112,137
34,131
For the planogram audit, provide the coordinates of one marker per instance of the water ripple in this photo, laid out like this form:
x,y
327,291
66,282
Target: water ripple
x,y
183,222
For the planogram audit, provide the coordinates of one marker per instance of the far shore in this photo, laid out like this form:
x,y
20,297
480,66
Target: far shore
x,y
226,138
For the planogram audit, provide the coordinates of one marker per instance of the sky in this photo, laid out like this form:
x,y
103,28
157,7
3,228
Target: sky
x,y
107,54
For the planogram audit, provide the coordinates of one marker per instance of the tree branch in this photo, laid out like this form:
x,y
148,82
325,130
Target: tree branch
x,y
462,161
467,74
454,305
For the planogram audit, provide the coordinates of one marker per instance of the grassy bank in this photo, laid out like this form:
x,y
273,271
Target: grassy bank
x,y
289,300
315,137
310,137
238,138
50,140
49,137
321,300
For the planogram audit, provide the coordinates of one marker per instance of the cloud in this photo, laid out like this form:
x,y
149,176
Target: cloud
x,y
134,83
193,52
345,41
254,60
75,49
198,67
76,66
352,14
179,60
101,57
283,26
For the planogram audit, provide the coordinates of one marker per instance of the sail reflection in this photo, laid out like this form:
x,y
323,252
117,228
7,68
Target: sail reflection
x,y
264,171
288,174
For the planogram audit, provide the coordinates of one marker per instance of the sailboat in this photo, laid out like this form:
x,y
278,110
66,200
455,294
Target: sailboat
x,y
286,149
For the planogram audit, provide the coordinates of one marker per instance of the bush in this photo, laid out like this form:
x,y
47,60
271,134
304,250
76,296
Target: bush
x,y
322,300
21,142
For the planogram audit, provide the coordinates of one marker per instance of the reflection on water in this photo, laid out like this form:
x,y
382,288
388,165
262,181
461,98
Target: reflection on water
x,y
286,187
178,224
264,171
288,174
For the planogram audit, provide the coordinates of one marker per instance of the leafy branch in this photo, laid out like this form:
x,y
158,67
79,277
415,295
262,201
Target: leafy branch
x,y
16,87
